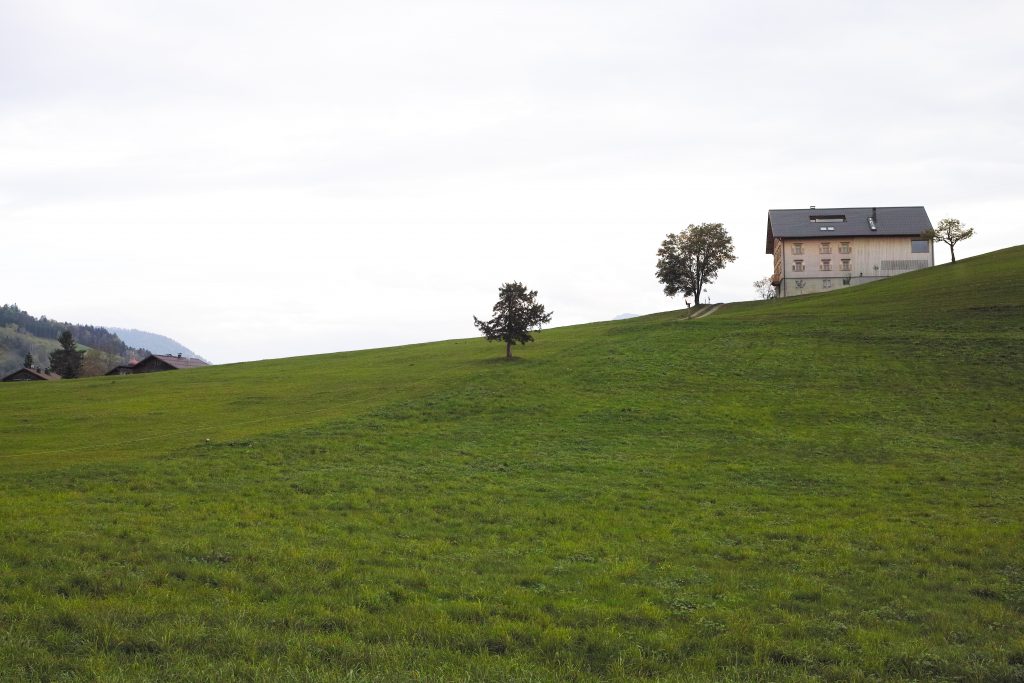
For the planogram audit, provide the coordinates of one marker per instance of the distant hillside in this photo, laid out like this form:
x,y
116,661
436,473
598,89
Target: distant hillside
x,y
22,333
156,343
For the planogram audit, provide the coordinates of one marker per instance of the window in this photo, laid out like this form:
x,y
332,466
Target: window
x,y
844,247
798,266
919,246
825,248
831,218
845,265
798,247
826,284
826,264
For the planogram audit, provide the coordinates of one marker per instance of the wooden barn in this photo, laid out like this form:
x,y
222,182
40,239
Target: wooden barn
x,y
158,363
30,375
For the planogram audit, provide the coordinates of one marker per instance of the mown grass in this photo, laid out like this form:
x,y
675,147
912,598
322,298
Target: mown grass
x,y
827,488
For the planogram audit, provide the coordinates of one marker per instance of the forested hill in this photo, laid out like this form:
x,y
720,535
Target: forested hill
x,y
157,343
22,333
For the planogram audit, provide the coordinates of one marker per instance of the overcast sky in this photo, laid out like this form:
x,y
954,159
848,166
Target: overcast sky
x,y
266,179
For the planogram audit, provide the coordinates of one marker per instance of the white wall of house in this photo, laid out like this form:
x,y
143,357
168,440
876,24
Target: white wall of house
x,y
821,264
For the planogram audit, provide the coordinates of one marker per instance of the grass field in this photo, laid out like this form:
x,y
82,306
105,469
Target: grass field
x,y
828,488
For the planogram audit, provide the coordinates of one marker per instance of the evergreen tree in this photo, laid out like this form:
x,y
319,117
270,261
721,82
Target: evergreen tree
x,y
516,313
67,360
29,361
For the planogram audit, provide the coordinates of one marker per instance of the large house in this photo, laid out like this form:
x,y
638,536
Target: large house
x,y
818,250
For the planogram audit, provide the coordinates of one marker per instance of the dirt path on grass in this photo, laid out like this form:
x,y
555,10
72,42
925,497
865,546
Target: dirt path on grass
x,y
705,312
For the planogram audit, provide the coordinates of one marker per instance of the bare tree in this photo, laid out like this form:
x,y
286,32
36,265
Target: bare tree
x,y
765,288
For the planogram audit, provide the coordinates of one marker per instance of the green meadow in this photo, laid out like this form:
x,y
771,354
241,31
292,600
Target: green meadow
x,y
826,488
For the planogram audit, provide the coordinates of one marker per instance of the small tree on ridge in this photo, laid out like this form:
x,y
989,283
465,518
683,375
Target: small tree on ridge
x,y
950,231
515,315
765,288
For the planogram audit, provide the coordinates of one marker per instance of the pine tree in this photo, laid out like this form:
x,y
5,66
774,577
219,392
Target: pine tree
x,y
67,360
29,361
515,315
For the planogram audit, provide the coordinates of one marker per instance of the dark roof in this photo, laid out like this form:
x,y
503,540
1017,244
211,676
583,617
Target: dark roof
x,y
31,375
178,362
846,222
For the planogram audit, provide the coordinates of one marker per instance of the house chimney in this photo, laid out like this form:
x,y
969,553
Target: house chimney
x,y
179,355
873,221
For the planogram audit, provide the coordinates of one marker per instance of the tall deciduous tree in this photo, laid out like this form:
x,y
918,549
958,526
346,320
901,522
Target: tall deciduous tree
x,y
67,360
950,231
692,258
515,315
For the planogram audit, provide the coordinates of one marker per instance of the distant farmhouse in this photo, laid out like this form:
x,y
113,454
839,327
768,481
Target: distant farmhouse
x,y
158,363
818,250
29,375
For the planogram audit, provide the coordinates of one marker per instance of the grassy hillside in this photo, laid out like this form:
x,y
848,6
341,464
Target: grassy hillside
x,y
828,488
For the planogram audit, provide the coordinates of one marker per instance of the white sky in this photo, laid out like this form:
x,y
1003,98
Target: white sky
x,y
264,179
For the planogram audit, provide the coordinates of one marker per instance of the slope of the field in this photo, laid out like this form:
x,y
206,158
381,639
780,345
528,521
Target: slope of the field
x,y
825,488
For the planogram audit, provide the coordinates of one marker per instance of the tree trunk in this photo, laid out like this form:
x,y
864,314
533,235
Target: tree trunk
x,y
951,254
508,350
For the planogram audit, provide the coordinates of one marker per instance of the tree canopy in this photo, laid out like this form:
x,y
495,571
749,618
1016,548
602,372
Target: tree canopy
x,y
950,231
516,313
692,258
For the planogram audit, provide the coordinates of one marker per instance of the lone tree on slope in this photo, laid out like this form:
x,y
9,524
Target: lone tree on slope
x,y
950,231
67,360
691,259
515,315
765,288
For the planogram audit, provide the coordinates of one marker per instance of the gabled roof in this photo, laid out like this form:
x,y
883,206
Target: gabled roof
x,y
813,223
177,362
30,374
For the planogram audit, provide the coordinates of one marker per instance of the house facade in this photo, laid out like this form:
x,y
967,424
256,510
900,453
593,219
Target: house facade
x,y
820,250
